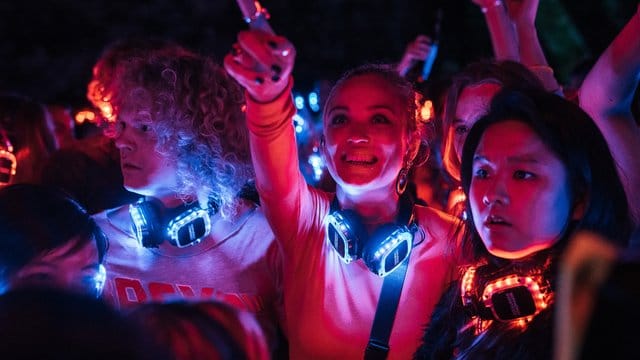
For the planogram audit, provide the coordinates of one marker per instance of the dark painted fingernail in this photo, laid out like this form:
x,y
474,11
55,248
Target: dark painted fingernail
x,y
276,69
259,81
272,44
275,78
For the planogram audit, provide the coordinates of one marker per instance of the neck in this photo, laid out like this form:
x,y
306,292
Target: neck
x,y
374,207
172,200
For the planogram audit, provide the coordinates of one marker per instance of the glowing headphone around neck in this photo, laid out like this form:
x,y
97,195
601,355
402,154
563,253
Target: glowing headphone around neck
x,y
384,250
8,161
505,295
181,226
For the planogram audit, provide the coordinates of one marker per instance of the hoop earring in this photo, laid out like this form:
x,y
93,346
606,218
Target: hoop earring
x,y
402,181
403,178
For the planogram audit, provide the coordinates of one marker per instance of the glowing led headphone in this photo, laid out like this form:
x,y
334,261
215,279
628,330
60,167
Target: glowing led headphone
x,y
384,250
503,296
8,161
183,226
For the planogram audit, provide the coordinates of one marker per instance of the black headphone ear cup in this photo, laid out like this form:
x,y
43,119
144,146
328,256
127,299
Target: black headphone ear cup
x,y
358,230
387,248
149,235
381,233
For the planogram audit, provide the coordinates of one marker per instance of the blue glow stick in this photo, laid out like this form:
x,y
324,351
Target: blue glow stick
x,y
428,62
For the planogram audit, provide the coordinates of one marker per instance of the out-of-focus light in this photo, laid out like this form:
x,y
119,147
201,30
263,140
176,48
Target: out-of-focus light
x,y
299,101
316,162
427,112
313,101
298,122
85,115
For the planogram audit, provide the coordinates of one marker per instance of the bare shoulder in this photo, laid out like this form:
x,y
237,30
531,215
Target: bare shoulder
x,y
438,224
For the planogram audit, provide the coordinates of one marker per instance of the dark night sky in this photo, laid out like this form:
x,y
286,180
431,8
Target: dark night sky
x,y
47,48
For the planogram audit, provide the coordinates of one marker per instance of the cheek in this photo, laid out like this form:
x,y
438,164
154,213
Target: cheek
x,y
475,202
458,145
557,204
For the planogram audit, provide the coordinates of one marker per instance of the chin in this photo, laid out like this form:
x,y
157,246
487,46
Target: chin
x,y
515,254
137,189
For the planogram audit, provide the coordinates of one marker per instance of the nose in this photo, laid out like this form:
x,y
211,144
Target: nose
x,y
496,193
359,133
123,141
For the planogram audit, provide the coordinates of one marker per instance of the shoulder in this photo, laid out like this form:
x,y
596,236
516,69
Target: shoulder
x,y
249,218
437,223
117,217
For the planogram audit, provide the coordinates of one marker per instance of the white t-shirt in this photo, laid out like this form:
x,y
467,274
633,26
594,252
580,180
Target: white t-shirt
x,y
238,263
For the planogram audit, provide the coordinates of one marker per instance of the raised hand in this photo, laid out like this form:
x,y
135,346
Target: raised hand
x,y
417,50
261,63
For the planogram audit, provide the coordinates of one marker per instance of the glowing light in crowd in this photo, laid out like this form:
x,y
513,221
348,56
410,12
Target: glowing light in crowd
x,y
298,122
316,162
313,101
427,112
85,115
299,101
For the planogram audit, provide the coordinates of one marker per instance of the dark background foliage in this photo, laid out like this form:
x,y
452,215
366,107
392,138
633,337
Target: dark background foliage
x,y
47,47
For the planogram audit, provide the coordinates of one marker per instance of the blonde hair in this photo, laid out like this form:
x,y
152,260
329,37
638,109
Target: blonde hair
x,y
196,112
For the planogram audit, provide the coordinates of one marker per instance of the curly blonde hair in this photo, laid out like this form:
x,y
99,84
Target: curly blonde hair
x,y
196,110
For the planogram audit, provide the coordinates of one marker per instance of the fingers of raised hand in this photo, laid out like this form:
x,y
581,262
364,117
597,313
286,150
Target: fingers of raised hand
x,y
261,62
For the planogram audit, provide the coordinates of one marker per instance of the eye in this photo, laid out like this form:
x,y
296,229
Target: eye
x,y
481,173
338,119
380,119
523,175
461,129
144,127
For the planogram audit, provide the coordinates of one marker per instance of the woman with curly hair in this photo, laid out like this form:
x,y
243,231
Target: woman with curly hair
x,y
176,118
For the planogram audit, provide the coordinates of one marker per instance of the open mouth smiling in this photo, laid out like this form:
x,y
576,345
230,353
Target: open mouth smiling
x,y
360,160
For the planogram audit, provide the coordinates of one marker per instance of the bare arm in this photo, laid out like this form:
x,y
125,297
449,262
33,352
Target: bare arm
x,y
503,37
606,95
417,50
522,14
262,63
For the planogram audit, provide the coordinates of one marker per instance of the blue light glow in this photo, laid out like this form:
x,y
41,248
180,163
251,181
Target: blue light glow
x,y
313,101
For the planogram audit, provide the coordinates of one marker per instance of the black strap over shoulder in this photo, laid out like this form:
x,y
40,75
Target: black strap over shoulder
x,y
378,346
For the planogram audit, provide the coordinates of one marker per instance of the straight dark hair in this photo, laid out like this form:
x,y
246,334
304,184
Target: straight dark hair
x,y
575,139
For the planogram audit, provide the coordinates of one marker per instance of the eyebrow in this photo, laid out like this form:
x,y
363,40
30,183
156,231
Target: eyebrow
x,y
374,107
526,158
